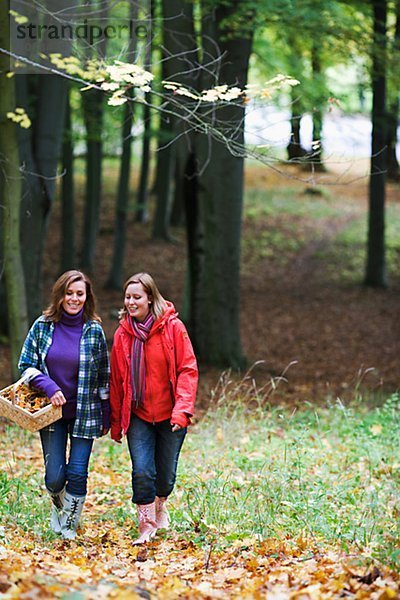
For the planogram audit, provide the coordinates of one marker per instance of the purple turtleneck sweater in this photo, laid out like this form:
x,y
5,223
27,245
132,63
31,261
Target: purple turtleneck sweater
x,y
62,363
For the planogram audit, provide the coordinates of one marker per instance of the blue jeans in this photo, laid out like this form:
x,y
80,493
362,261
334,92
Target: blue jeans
x,y
154,451
59,472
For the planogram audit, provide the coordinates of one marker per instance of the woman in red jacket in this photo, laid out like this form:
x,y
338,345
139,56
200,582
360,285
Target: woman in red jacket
x,y
152,393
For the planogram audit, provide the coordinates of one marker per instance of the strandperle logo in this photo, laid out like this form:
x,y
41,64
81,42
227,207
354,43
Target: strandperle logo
x,y
85,31
76,28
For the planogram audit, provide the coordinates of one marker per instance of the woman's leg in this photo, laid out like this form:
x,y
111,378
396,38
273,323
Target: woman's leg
x,y
141,442
54,445
78,466
168,447
77,474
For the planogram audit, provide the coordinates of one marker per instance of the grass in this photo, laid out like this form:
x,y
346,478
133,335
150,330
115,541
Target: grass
x,y
329,475
289,201
289,218
349,250
317,477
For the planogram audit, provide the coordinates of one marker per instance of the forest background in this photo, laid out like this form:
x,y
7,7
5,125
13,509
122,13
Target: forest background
x,y
279,248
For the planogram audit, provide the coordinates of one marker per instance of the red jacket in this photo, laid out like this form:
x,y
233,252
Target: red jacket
x,y
171,374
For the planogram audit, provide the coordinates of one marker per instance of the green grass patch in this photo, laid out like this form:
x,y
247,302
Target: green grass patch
x,y
275,244
346,257
289,201
328,476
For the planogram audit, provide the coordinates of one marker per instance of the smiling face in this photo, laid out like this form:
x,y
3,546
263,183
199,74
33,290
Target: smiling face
x,y
74,298
137,301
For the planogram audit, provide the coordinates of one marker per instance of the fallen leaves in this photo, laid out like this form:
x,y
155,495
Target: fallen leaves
x,y
171,568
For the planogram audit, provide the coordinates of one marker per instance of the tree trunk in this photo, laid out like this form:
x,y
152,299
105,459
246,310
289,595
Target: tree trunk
x,y
215,309
93,112
177,210
195,246
376,265
393,167
294,149
317,111
92,102
165,157
142,212
68,226
116,275
10,202
45,97
181,64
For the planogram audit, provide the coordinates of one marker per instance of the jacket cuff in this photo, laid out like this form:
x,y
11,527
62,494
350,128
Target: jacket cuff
x,y
104,393
116,433
180,419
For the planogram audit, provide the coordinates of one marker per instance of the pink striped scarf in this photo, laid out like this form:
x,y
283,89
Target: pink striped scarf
x,y
138,367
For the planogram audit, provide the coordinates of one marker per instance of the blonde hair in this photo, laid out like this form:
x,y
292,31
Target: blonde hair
x,y
55,310
158,303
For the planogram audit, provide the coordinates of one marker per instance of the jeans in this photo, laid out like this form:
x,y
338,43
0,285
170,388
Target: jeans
x,y
59,472
154,451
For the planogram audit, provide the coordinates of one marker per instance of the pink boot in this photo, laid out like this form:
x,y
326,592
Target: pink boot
x,y
162,517
147,522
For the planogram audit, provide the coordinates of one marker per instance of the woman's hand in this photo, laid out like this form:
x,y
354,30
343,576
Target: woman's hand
x,y
176,427
58,399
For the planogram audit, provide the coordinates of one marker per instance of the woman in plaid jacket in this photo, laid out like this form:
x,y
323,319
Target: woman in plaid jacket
x,y
65,355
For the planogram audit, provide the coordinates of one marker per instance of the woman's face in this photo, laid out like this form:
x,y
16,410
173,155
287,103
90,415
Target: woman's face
x,y
137,302
75,297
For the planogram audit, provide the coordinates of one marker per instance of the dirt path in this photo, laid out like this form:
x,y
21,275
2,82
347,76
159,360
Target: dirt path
x,y
340,333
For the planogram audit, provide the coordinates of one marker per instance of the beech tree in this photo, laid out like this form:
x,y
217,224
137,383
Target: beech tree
x,y
68,221
214,205
10,199
375,275
115,276
393,166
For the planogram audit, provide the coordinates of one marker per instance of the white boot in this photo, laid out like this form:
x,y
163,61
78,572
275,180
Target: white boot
x,y
147,522
58,504
70,515
162,516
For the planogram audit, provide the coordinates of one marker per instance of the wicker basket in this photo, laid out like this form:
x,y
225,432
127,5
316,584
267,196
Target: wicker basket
x,y
33,421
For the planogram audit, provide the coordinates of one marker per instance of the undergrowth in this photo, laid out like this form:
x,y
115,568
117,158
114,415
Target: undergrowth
x,y
314,476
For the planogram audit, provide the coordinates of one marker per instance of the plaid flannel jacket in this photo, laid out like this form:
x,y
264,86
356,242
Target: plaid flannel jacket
x,y
93,376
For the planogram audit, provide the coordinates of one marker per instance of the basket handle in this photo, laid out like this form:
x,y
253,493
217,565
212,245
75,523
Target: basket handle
x,y
13,391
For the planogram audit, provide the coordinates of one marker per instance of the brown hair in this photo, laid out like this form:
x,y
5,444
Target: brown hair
x,y
158,303
54,311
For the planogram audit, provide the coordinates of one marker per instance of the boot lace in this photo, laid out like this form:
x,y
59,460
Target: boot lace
x,y
69,524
